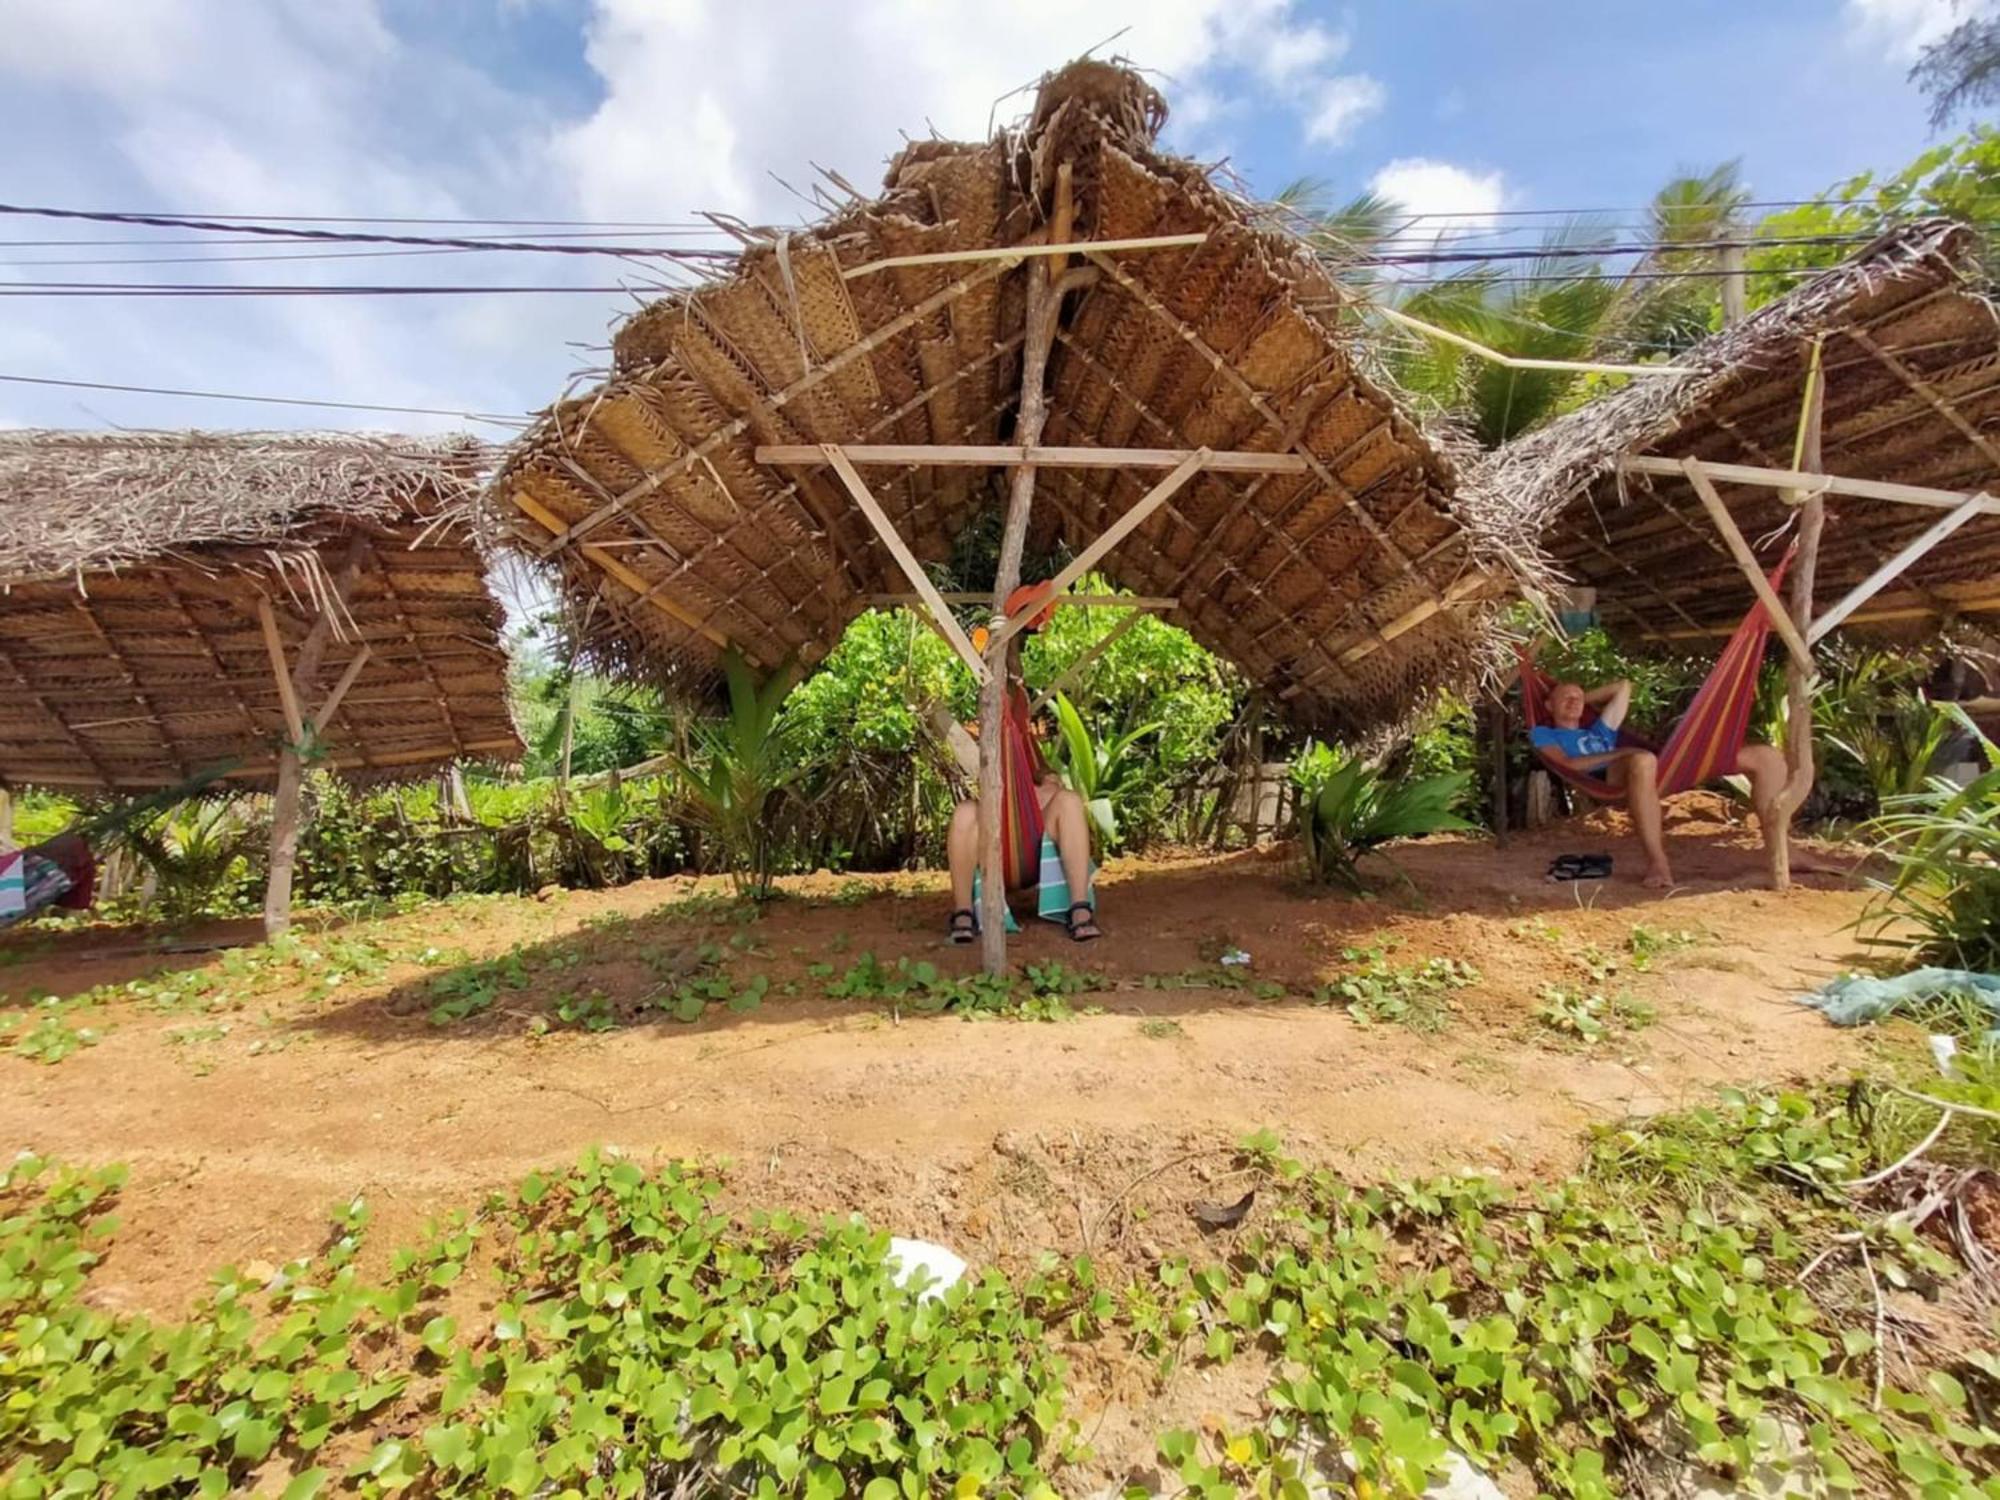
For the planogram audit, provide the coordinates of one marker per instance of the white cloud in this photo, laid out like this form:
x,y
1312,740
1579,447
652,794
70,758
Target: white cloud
x,y
1343,103
1447,196
1904,27
299,107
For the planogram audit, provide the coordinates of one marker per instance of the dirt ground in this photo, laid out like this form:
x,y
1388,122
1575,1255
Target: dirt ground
x,y
998,1138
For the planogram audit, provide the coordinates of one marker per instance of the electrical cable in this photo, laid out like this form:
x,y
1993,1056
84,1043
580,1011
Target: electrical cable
x,y
154,390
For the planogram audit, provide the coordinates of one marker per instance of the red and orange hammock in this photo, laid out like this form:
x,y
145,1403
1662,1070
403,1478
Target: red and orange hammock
x,y
1021,770
1704,744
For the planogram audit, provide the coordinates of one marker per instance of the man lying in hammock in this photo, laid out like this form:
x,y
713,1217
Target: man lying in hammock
x,y
1594,750
1045,829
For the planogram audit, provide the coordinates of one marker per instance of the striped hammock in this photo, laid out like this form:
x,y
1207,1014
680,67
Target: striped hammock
x,y
1703,745
1021,769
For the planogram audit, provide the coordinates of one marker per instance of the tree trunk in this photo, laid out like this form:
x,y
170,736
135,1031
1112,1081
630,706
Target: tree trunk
x,y
1007,578
1799,764
285,804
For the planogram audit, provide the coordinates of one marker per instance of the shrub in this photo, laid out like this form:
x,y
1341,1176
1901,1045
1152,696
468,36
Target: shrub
x,y
1347,808
1944,845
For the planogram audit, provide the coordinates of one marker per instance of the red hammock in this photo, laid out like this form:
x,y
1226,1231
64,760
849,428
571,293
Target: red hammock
x,y
1021,771
1704,743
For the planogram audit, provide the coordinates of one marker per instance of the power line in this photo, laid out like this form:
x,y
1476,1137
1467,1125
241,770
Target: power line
x,y
166,221
154,390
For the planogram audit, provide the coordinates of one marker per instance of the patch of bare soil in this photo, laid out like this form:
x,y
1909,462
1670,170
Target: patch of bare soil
x,y
1000,1138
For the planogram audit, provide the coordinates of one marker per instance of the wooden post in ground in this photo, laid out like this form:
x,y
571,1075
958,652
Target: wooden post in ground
x,y
1496,715
293,683
1041,313
1798,675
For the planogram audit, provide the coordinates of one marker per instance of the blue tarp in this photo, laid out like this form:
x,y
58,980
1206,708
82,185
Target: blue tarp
x,y
1854,998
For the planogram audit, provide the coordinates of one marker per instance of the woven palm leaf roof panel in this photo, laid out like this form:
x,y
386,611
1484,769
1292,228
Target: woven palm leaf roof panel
x,y
131,649
1343,590
1909,348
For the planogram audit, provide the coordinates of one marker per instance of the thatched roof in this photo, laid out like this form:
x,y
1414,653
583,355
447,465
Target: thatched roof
x,y
1648,547
131,653
1343,590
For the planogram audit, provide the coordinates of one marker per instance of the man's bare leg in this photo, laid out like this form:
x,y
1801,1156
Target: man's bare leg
x,y
961,846
1639,775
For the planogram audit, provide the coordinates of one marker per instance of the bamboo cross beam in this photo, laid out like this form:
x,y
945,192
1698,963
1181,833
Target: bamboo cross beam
x,y
1002,455
1746,559
1804,484
610,563
1895,567
1063,246
1157,604
905,559
1115,533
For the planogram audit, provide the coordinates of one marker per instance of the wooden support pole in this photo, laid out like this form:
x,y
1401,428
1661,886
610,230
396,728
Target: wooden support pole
x,y
1781,617
1115,533
324,715
1799,675
1502,814
274,646
1040,316
913,570
292,685
1084,662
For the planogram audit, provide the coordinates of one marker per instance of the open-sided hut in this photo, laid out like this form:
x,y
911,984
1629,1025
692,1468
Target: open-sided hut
x,y
1063,324
1857,417
1909,357
174,603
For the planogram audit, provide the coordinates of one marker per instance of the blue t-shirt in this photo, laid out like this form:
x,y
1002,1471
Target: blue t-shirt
x,y
1590,739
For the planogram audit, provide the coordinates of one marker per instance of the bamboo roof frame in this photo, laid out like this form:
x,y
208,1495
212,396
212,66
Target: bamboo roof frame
x,y
1321,548
152,583
1910,353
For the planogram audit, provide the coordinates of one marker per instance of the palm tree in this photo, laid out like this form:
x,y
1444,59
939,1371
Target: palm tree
x,y
1563,304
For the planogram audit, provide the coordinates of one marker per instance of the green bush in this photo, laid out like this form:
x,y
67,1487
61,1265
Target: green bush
x,y
1348,807
1943,843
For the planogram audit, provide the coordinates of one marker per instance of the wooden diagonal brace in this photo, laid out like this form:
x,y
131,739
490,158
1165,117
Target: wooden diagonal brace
x,y
1115,533
1896,566
940,613
1781,617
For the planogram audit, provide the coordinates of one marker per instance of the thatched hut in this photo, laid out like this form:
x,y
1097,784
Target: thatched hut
x,y
1063,326
1856,419
1340,577
171,603
1909,352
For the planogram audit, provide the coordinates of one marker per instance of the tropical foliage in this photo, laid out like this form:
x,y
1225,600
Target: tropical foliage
x,y
1347,807
1942,903
741,764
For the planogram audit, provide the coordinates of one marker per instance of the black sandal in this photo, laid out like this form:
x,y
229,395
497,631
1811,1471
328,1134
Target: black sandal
x,y
963,926
1077,930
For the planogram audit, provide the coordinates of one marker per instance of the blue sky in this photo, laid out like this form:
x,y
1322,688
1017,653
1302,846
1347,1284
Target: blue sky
x,y
654,109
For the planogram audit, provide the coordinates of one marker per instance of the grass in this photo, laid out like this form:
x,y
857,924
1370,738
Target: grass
x,y
1417,996
611,1329
1589,1016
